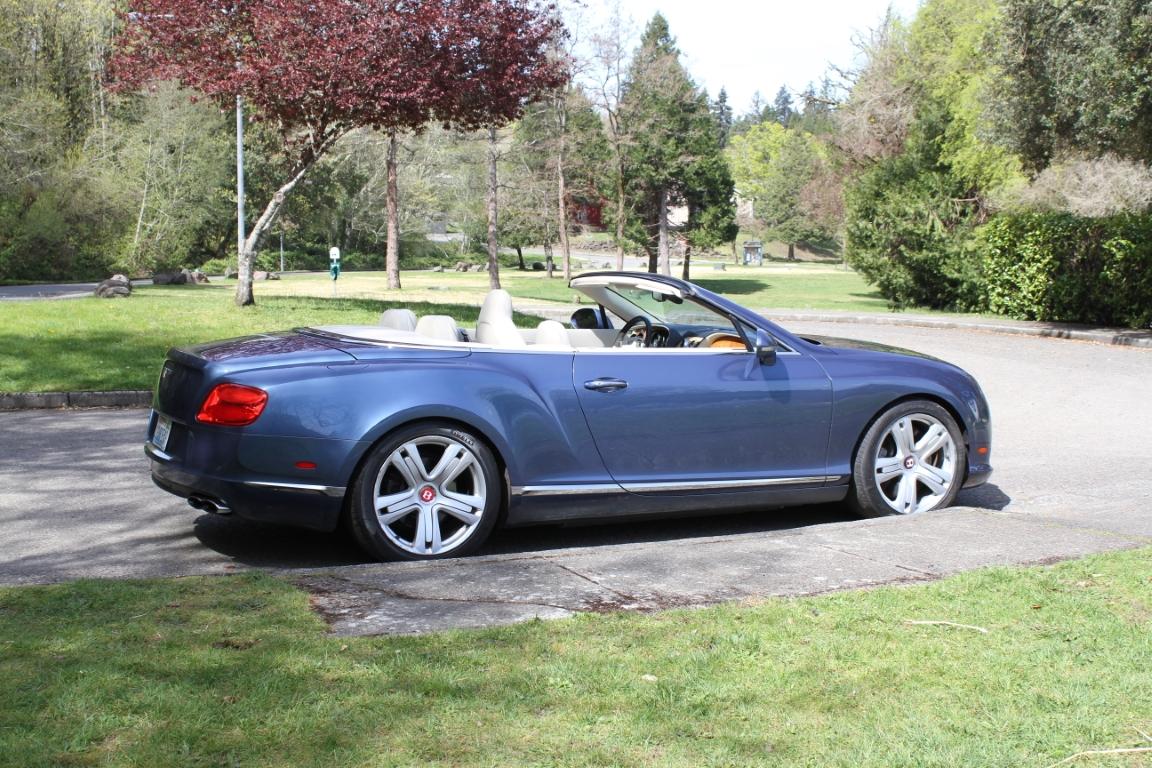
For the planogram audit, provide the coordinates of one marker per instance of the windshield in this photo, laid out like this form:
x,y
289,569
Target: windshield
x,y
670,310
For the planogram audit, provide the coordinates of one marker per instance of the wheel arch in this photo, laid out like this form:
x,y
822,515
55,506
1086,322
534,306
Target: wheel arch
x,y
931,397
450,421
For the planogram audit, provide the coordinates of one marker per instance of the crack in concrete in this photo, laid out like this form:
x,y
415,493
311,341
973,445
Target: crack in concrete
x,y
595,583
858,556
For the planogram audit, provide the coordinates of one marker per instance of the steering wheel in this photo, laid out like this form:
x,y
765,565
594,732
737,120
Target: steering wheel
x,y
630,336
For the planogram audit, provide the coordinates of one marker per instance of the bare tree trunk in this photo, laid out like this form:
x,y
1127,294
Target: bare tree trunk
x,y
662,243
392,260
493,245
791,251
520,258
244,296
549,262
687,261
620,210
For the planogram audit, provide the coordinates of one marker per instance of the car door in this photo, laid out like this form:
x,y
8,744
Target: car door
x,y
701,420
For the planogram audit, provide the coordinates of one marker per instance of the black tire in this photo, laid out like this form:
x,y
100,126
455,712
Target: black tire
x,y
439,489
912,459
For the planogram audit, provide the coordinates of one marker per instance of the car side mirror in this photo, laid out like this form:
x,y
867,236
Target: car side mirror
x,y
765,348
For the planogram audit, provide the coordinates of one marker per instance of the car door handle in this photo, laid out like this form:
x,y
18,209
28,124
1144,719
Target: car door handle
x,y
605,385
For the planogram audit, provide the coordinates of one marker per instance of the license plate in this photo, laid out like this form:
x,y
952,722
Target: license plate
x,y
162,431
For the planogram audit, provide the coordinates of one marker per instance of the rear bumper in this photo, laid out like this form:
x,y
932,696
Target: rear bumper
x,y
306,506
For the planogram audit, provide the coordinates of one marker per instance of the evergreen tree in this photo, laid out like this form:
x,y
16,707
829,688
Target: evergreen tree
x,y
672,137
722,114
782,110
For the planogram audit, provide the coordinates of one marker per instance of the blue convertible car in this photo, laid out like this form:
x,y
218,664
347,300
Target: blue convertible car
x,y
659,397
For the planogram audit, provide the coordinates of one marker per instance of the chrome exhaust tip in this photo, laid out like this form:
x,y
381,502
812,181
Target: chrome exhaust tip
x,y
209,505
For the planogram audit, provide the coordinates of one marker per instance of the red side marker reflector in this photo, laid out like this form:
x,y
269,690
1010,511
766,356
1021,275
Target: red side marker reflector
x,y
982,450
305,465
232,405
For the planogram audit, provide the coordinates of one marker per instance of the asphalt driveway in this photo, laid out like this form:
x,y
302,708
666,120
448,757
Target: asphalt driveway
x,y
1072,451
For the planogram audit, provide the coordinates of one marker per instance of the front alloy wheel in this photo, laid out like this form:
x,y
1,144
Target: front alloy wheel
x,y
427,492
911,460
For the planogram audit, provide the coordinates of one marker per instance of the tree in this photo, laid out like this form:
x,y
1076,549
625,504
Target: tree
x,y
1076,78
316,69
560,143
722,114
502,59
774,167
782,110
610,47
670,132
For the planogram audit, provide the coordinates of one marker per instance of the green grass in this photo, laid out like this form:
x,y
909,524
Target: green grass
x,y
99,344
236,671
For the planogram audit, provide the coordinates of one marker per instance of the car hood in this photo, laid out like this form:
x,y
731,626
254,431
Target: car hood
x,y
835,342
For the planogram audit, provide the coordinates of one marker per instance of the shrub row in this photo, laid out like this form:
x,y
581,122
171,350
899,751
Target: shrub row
x,y
1060,267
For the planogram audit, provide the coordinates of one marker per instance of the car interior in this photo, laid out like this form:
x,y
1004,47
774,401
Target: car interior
x,y
626,316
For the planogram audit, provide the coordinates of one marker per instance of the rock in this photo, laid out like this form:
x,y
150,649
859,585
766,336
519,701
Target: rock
x,y
197,277
538,266
606,265
480,268
720,267
437,268
115,287
461,266
231,274
169,278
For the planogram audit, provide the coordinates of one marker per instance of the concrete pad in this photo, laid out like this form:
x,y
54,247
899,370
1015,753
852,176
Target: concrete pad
x,y
948,541
696,573
1131,517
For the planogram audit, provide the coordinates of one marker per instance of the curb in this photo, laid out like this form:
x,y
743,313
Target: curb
x,y
24,401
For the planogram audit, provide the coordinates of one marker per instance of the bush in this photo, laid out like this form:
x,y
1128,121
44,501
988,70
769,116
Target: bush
x,y
1060,267
906,234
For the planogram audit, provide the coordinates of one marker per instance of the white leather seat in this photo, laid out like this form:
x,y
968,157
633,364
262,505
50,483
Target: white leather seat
x,y
440,327
495,325
552,334
399,319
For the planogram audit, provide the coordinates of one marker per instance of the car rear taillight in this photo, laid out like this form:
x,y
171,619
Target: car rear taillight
x,y
232,405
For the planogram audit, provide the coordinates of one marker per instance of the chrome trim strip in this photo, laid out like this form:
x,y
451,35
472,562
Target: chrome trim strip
x,y
327,490
155,453
565,490
539,490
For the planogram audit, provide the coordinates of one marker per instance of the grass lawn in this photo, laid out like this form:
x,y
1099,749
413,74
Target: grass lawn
x,y
236,671
98,344
776,286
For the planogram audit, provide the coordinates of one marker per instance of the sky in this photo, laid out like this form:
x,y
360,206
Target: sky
x,y
746,46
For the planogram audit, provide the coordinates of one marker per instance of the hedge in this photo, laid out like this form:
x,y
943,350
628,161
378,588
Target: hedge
x,y
1060,267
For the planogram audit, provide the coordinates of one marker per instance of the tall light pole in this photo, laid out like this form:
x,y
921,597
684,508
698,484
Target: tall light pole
x,y
239,179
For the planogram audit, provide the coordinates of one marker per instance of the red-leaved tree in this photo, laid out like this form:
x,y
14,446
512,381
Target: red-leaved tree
x,y
316,69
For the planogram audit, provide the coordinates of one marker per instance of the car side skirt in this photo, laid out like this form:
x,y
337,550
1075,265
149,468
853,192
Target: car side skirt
x,y
559,503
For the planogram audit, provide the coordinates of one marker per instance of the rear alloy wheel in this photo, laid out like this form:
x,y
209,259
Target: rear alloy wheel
x,y
426,493
912,459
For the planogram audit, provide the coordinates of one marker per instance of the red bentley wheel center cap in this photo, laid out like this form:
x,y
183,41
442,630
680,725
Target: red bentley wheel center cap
x,y
427,494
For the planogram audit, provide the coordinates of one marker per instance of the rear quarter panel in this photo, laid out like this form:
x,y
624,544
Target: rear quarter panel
x,y
521,402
